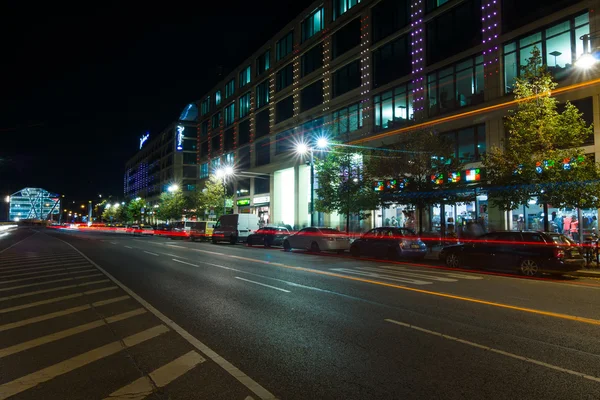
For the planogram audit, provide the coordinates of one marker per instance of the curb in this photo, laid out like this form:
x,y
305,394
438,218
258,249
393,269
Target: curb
x,y
589,274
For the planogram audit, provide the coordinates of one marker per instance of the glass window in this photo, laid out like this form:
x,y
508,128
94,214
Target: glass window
x,y
263,125
228,139
391,61
341,6
284,141
312,59
389,16
347,119
263,152
229,114
229,159
204,129
284,109
215,164
244,132
481,142
204,149
262,94
245,76
263,62
284,46
311,96
244,158
215,144
346,78
346,38
230,88
312,24
189,145
243,187
204,171
244,105
433,4
516,13
394,108
469,143
216,120
217,97
466,145
284,77
205,106
262,185
189,158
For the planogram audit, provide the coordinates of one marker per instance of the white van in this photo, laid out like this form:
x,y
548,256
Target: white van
x,y
234,228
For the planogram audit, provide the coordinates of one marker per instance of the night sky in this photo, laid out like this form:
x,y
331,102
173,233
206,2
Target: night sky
x,y
79,91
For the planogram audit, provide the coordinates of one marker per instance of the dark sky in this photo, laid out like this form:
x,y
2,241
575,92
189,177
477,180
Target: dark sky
x,y
78,91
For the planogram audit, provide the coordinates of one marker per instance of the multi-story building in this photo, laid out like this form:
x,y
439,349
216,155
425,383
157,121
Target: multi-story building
x,y
34,204
364,72
164,159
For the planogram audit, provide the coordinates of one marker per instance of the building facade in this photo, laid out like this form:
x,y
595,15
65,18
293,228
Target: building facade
x,y
164,159
364,72
34,204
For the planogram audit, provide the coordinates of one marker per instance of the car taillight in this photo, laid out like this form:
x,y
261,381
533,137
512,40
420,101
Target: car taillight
x,y
559,253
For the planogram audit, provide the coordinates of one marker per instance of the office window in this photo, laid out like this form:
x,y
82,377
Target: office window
x,y
189,158
454,31
263,152
459,85
204,171
263,62
244,158
312,59
204,129
347,119
229,114
243,187
215,164
262,185
313,24
560,54
394,108
262,124
189,145
228,139
215,144
216,120
229,159
205,106
262,94
284,109
284,141
311,96
217,98
431,5
244,132
391,61
244,105
346,78
284,77
204,149
516,13
469,143
341,6
389,16
190,172
230,88
346,38
284,46
245,76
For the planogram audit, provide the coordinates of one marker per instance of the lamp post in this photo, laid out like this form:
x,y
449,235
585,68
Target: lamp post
x,y
587,59
302,149
223,173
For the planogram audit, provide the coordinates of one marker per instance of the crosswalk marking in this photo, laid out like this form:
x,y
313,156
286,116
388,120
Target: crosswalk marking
x,y
40,265
25,259
62,313
29,381
161,377
7,351
48,282
55,299
46,276
13,270
56,289
46,271
27,264
387,277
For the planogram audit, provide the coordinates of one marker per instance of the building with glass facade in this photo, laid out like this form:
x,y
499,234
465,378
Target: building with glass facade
x,y
364,72
165,159
34,204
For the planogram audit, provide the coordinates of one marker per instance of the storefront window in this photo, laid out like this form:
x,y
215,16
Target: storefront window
x,y
393,108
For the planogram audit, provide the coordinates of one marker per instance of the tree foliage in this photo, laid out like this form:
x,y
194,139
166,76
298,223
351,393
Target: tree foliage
x,y
213,196
542,155
134,209
172,206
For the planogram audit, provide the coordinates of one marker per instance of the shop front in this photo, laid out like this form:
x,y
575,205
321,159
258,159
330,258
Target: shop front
x,y
261,205
243,206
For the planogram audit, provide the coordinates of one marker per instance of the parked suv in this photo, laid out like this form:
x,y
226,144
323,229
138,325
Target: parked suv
x,y
528,252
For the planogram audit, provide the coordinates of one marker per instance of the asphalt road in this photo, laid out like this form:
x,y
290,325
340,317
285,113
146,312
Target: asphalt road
x,y
255,323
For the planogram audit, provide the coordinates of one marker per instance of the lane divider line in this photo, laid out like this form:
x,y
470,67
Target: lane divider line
x,y
262,284
128,247
493,350
244,379
152,254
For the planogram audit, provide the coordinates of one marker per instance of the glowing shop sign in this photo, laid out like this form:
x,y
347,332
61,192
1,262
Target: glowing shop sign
x,y
180,137
243,202
473,175
379,186
454,177
143,139
262,199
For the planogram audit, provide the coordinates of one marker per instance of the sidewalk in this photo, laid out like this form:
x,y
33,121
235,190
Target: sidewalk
x,y
592,272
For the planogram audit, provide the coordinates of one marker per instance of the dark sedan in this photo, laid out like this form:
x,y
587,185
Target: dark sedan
x,y
390,242
268,236
531,253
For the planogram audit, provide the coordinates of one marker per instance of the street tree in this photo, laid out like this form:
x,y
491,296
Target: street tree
x,y
542,154
344,186
212,197
172,205
134,209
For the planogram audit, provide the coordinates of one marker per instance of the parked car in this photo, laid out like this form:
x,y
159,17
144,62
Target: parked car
x,y
529,252
201,230
390,242
234,228
268,236
317,239
141,230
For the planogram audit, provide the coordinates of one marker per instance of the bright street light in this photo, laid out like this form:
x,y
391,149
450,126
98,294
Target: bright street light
x,y
322,143
173,188
7,199
107,206
301,148
228,170
138,198
116,205
586,61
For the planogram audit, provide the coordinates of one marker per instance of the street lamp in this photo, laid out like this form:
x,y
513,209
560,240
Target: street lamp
x,y
173,188
587,59
302,149
223,173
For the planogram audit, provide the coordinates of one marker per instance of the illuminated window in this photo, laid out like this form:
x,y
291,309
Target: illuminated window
x,y
229,114
347,119
217,97
263,62
469,143
393,108
230,88
284,77
313,24
244,105
216,120
205,106
262,94
229,159
215,163
284,46
204,171
341,6
245,76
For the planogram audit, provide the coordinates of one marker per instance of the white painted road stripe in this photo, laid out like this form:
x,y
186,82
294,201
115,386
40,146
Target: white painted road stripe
x,y
112,242
12,270
381,276
407,273
161,377
47,282
28,381
128,247
30,264
56,289
501,352
57,314
30,344
173,255
262,284
251,384
147,252
46,276
435,271
48,270
56,299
